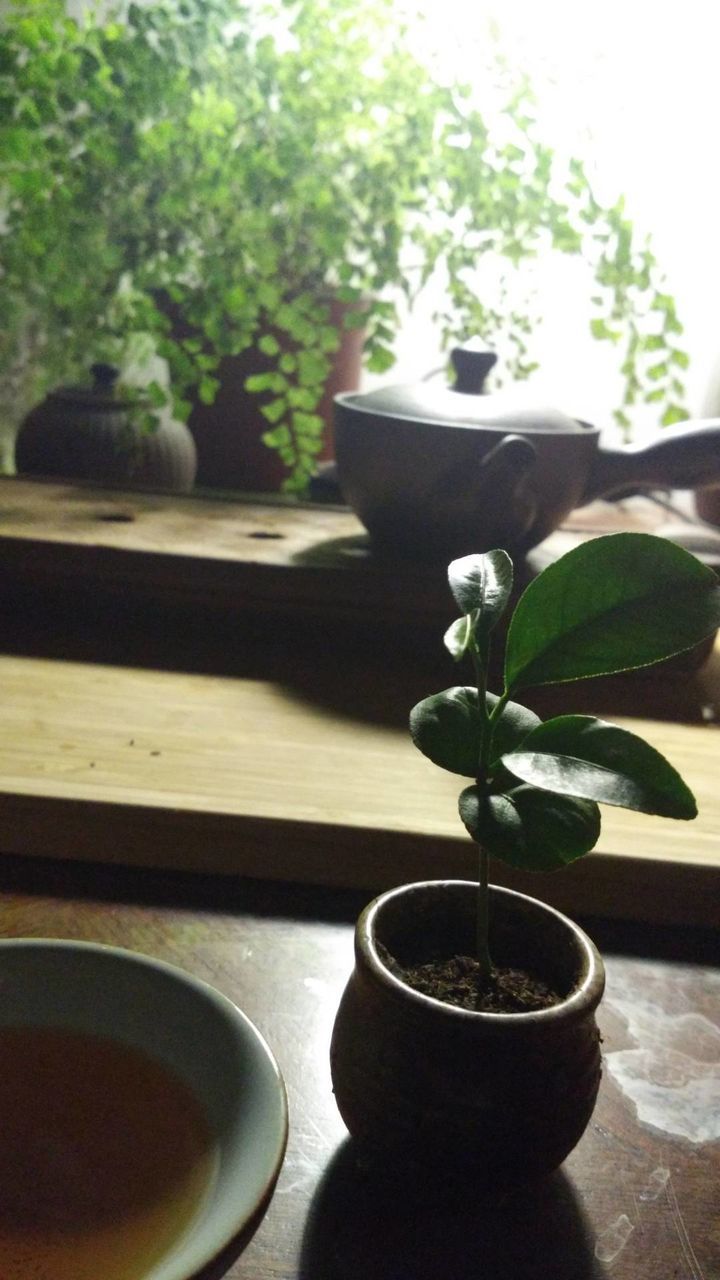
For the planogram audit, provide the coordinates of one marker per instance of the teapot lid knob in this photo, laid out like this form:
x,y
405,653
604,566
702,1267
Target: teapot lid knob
x,y
472,363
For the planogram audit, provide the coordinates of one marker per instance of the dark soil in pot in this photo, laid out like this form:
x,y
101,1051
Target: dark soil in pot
x,y
457,979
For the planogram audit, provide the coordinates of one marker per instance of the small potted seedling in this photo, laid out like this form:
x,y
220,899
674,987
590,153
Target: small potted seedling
x,y
466,1042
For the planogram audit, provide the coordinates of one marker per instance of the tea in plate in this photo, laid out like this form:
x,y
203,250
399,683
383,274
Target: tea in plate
x,y
143,1118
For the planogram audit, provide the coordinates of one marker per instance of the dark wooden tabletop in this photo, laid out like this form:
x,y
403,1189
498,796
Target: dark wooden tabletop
x,y
638,1199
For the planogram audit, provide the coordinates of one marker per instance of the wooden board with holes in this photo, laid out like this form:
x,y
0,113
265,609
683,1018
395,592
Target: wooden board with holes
x,y
255,778
239,555
252,554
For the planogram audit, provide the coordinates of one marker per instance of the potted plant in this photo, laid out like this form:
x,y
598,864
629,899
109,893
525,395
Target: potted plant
x,y
465,1044
198,181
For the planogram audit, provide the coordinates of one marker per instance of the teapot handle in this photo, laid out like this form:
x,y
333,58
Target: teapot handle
x,y
683,457
511,458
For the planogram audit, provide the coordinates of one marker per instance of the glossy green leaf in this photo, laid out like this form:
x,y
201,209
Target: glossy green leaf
x,y
481,585
614,603
531,829
447,729
582,756
458,637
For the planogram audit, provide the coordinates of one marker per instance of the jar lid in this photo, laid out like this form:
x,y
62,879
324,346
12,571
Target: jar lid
x,y
102,394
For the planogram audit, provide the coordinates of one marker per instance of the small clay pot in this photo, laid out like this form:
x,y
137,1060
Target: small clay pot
x,y
91,433
432,1092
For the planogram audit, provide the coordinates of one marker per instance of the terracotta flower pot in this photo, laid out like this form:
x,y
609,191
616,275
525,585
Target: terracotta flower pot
x,y
441,1092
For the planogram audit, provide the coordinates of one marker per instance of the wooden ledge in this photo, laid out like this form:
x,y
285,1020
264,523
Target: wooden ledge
x,y
251,778
259,554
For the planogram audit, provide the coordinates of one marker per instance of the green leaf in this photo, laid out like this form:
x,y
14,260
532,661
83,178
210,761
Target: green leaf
x,y
275,410
309,425
601,329
312,368
674,413
481,585
582,756
530,829
380,360
258,382
302,398
278,438
156,394
269,295
269,345
446,728
355,319
458,637
614,603
235,300
208,389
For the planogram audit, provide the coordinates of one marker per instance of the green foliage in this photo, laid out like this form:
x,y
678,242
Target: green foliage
x,y
590,615
531,829
249,160
614,603
585,757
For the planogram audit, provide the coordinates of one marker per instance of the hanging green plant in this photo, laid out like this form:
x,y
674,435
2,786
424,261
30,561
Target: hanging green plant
x,y
246,161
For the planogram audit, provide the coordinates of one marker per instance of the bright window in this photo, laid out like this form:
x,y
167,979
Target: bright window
x,y
630,86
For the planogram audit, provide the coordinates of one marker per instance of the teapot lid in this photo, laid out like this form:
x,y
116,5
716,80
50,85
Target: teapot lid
x,y
466,403
102,394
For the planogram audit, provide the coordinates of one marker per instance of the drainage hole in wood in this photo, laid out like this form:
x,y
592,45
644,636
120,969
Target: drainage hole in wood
x,y
116,517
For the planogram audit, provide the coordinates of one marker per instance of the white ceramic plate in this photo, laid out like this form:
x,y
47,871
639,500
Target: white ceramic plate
x,y
188,1027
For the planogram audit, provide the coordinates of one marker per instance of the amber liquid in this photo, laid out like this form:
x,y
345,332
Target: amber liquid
x,y
105,1158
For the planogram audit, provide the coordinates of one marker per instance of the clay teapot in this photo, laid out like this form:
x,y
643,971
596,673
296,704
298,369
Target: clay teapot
x,y
93,433
437,470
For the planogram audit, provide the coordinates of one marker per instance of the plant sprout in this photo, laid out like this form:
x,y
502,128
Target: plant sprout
x,y
612,604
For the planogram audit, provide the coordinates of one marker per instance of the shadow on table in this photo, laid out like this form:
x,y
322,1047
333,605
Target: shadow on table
x,y
365,659
353,1232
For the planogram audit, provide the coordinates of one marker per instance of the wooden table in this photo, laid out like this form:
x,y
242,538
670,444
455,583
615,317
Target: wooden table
x,y
636,1200
213,725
